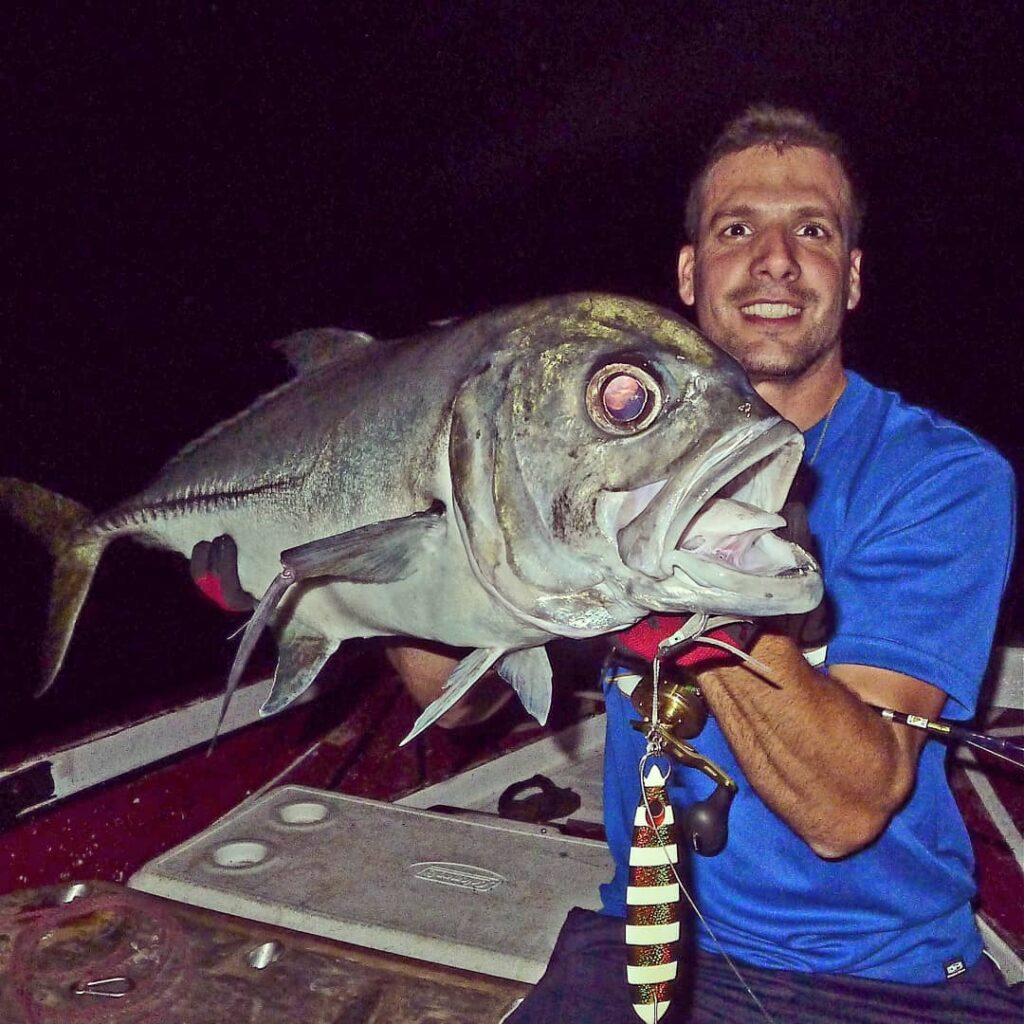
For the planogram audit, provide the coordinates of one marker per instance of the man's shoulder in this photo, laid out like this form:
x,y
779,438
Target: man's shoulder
x,y
900,433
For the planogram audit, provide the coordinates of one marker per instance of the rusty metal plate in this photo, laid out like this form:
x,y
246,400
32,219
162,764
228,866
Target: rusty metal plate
x,y
101,953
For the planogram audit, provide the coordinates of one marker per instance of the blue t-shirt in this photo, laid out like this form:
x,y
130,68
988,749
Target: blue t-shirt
x,y
914,521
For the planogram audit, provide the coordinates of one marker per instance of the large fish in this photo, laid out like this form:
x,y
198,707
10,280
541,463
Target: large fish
x,y
559,468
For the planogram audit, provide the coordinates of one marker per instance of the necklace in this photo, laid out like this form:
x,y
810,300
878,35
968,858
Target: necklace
x,y
824,429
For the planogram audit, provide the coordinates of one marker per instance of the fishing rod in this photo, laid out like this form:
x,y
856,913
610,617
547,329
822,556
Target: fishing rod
x,y
1006,749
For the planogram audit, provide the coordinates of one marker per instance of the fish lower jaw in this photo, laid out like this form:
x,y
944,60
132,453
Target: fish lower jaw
x,y
724,588
685,564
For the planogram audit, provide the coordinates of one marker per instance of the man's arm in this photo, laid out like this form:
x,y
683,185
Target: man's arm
x,y
918,576
830,766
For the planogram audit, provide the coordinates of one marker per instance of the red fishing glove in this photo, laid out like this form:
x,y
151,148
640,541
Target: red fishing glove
x,y
642,640
214,568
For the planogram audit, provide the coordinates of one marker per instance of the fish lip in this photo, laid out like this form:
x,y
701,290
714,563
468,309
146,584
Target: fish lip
x,y
649,543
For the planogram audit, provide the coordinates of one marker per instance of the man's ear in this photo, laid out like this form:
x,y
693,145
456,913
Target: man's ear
x,y
687,259
853,284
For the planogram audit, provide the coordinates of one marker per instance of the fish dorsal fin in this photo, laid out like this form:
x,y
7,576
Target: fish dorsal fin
x,y
317,347
465,674
528,672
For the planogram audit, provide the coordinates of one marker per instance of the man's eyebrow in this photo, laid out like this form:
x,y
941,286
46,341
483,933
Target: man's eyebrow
x,y
817,213
733,212
744,211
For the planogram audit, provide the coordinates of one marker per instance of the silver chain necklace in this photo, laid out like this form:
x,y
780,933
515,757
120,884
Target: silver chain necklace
x,y
824,429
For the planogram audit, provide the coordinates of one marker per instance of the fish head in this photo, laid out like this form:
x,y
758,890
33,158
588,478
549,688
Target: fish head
x,y
608,462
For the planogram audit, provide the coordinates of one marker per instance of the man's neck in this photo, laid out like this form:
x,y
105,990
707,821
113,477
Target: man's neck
x,y
806,399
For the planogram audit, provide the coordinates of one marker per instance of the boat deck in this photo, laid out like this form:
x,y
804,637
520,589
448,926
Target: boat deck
x,y
98,806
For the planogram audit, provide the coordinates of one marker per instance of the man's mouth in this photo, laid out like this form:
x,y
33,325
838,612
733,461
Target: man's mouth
x,y
771,310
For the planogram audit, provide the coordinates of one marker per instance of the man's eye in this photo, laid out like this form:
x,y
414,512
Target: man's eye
x,y
736,230
814,231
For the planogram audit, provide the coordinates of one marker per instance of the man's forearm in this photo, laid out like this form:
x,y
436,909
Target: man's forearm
x,y
817,755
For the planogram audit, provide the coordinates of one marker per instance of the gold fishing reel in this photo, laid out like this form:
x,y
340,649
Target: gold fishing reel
x,y
682,714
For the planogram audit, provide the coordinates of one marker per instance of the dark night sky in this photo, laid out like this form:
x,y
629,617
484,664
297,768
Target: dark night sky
x,y
191,181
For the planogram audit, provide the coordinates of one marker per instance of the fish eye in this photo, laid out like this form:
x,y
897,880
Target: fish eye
x,y
623,398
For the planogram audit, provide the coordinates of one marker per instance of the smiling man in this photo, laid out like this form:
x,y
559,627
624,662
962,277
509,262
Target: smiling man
x,y
844,890
776,268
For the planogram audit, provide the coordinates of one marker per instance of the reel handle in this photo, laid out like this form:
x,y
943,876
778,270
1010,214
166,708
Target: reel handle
x,y
707,822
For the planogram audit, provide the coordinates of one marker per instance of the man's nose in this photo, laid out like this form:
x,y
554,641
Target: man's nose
x,y
775,256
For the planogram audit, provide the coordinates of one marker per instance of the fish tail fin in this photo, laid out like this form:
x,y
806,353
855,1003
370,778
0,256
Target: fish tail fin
x,y
60,524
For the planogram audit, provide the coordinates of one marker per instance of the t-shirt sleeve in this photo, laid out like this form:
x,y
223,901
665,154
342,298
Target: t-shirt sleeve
x,y
918,585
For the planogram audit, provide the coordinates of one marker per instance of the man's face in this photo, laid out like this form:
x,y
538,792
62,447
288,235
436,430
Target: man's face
x,y
770,276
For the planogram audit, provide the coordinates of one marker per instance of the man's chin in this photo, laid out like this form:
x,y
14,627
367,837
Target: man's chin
x,y
760,371
764,362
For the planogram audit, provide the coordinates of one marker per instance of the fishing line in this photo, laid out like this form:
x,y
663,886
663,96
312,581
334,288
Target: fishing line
x,y
995,753
1003,748
241,629
654,750
762,669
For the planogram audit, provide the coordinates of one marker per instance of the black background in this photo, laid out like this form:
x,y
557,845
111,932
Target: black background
x,y
190,181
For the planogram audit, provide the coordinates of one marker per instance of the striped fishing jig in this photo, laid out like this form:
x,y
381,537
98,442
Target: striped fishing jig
x,y
670,715
653,925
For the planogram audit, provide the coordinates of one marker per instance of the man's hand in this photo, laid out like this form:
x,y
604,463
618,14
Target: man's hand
x,y
643,639
214,568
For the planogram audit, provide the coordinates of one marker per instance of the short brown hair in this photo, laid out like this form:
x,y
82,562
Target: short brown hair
x,y
764,124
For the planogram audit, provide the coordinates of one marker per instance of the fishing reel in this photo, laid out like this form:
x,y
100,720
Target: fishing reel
x,y
681,715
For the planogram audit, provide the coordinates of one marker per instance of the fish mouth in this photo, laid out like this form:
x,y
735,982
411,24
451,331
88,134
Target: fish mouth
x,y
712,528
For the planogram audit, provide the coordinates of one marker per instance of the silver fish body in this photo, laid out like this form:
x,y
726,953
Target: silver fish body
x,y
559,468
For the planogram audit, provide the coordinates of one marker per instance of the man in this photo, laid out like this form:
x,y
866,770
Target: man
x,y
844,890
843,893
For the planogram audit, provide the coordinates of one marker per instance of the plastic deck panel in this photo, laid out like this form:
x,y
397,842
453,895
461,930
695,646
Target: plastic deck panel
x,y
483,896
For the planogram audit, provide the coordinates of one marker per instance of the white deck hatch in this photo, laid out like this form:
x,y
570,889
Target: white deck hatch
x,y
482,895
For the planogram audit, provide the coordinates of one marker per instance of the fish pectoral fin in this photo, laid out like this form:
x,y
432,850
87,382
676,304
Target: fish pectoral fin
x,y
528,672
300,659
476,664
377,553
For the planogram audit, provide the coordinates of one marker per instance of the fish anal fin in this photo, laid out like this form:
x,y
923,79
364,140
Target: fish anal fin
x,y
300,659
263,613
463,676
528,672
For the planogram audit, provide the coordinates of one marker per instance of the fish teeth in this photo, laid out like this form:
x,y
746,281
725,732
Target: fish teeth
x,y
771,310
